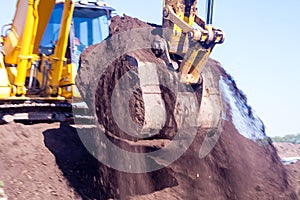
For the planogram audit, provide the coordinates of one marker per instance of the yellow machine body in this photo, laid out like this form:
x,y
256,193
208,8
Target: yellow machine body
x,y
193,44
26,71
21,46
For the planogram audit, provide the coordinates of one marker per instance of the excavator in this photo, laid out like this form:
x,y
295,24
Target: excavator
x,y
40,52
39,56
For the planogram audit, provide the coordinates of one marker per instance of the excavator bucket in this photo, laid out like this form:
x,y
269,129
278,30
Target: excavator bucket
x,y
133,94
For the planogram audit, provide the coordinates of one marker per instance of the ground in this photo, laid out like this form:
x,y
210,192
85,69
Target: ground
x,y
27,167
47,161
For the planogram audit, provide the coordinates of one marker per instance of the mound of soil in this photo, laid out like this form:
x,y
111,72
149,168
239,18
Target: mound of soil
x,y
236,168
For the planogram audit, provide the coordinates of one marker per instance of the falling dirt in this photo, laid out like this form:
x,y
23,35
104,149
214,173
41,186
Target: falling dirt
x,y
50,161
237,168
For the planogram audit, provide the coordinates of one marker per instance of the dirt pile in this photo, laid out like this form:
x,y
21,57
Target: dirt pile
x,y
236,168
50,161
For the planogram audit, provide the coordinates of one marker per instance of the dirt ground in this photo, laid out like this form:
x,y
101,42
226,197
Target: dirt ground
x,y
48,161
287,149
28,168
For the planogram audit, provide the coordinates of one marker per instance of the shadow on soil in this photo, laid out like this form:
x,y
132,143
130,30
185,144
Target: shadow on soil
x,y
79,167
90,178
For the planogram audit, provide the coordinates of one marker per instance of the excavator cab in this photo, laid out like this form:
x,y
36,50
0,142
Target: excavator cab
x,y
89,26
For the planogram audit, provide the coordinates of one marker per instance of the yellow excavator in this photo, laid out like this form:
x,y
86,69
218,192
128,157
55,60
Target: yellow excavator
x,y
40,51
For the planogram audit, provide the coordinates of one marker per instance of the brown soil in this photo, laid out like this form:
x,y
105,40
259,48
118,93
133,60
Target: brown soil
x,y
237,168
49,161
291,150
287,149
46,161
294,176
27,168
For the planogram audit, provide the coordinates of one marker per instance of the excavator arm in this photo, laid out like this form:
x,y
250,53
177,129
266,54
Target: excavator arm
x,y
181,16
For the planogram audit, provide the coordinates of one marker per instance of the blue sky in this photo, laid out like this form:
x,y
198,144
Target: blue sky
x,y
261,51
